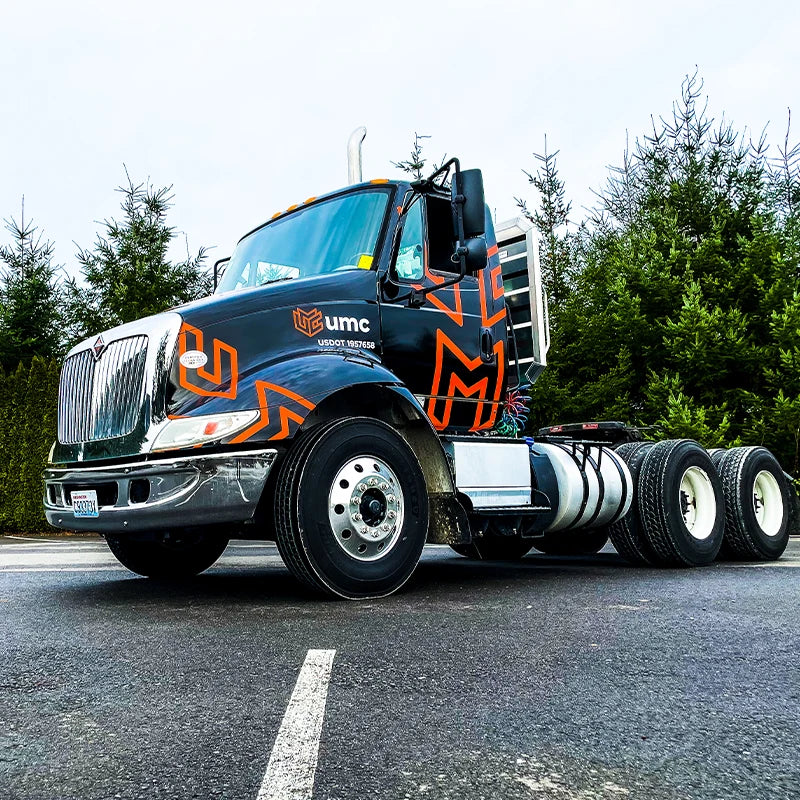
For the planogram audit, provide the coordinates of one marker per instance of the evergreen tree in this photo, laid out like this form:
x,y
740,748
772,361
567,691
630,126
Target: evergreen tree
x,y
127,274
685,309
557,245
30,296
414,165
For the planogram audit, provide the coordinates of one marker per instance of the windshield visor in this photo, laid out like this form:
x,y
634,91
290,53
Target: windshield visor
x,y
335,235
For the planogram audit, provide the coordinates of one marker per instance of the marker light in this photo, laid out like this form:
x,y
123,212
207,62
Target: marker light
x,y
192,431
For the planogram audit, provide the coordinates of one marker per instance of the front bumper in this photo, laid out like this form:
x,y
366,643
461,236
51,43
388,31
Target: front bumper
x,y
160,495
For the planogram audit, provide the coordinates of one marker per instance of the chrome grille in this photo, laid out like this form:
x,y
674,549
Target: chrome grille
x,y
101,398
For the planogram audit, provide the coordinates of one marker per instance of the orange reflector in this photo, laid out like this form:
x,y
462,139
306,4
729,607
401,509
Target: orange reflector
x,y
310,200
292,208
379,180
276,214
210,428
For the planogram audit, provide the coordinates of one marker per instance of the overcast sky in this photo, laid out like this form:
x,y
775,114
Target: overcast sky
x,y
246,107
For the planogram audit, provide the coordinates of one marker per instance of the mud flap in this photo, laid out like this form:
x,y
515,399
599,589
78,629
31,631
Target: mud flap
x,y
448,522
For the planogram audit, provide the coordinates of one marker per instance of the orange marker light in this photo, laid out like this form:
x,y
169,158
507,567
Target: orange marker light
x,y
210,428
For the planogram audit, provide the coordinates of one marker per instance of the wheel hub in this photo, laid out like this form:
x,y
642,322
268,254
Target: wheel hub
x,y
365,508
697,502
768,503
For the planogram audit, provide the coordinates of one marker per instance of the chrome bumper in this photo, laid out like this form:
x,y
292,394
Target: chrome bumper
x,y
171,493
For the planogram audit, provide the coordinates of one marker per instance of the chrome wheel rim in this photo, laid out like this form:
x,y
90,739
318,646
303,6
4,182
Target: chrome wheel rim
x,y
697,503
768,503
365,508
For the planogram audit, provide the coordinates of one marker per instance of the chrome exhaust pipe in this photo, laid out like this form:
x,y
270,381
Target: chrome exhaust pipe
x,y
354,155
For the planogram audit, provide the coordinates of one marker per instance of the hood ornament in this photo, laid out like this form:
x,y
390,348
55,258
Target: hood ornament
x,y
98,348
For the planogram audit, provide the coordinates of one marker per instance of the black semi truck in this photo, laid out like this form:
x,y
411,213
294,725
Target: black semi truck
x,y
348,391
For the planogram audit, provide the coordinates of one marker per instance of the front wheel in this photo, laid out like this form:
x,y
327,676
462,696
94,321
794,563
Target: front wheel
x,y
351,511
173,556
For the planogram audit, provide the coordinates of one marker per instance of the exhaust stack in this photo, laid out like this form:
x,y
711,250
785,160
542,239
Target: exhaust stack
x,y
354,155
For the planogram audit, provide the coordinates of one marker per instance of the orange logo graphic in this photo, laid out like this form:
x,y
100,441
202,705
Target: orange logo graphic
x,y
224,359
308,322
285,415
479,388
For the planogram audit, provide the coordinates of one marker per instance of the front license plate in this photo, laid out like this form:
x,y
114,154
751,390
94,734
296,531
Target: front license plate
x,y
84,504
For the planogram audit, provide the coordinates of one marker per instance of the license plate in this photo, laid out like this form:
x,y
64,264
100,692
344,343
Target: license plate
x,y
84,504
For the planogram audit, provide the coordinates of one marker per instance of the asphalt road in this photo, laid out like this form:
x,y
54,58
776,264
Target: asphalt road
x,y
551,678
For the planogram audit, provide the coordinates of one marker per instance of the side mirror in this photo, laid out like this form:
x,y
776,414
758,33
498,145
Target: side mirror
x,y
467,191
475,254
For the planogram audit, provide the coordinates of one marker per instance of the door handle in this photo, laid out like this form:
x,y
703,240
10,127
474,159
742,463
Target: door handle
x,y
487,345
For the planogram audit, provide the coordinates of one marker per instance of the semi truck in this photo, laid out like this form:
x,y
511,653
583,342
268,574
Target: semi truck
x,y
352,390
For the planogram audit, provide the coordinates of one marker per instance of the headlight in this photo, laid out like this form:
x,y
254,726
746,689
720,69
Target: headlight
x,y
188,431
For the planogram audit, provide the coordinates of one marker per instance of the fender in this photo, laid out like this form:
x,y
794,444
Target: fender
x,y
289,391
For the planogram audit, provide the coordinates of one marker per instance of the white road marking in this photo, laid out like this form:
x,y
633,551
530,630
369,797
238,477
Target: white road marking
x,y
293,763
110,567
31,539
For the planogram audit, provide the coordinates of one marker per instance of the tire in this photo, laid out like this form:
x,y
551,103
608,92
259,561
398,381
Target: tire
x,y
716,454
351,509
627,534
495,548
681,505
757,504
175,557
573,543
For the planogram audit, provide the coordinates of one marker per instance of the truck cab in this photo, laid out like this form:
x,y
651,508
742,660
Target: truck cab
x,y
341,392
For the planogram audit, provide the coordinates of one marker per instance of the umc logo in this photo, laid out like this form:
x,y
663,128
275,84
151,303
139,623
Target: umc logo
x,y
310,322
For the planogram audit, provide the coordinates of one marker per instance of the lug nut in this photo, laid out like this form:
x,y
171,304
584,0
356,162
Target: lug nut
x,y
356,516
385,528
391,515
354,501
373,481
363,529
390,498
384,486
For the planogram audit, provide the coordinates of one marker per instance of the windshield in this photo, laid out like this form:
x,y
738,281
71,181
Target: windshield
x,y
338,234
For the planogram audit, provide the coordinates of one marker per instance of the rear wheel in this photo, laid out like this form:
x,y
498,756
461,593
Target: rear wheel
x,y
352,509
680,503
573,543
173,556
756,504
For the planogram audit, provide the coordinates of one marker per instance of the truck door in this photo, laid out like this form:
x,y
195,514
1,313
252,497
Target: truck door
x,y
451,350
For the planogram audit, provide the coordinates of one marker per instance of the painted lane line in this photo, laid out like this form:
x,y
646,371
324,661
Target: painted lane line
x,y
293,763
110,568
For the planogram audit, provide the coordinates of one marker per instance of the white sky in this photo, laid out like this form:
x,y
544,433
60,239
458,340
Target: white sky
x,y
246,107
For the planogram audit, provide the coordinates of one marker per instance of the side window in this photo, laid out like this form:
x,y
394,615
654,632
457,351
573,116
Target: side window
x,y
409,264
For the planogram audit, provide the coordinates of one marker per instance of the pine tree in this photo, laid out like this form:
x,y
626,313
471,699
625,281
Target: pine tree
x,y
127,274
685,308
557,244
415,164
30,296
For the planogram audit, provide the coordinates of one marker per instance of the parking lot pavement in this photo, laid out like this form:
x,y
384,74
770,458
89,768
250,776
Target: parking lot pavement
x,y
576,678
